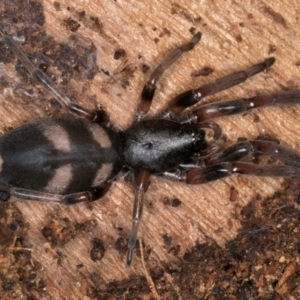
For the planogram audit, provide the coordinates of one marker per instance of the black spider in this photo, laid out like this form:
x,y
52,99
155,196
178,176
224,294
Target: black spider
x,y
71,160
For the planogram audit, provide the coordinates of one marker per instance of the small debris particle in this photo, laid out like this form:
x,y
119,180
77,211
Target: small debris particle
x,y
125,84
205,71
97,25
8,286
277,17
56,5
272,48
105,72
167,239
256,118
98,250
71,24
121,245
119,53
192,30
145,68
239,38
234,194
81,14
176,202
167,31
282,259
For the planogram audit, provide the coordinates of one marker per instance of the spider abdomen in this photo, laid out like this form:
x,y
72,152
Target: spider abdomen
x,y
59,156
160,145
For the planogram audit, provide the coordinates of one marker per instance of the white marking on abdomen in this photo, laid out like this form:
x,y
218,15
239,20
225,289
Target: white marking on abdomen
x,y
61,179
102,174
100,136
59,137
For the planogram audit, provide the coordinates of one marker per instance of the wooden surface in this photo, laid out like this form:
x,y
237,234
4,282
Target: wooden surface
x,y
234,36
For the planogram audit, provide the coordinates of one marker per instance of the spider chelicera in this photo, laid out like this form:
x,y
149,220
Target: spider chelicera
x,y
72,160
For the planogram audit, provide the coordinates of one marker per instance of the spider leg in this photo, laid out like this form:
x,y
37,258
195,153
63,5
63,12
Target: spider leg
x,y
258,147
238,106
191,97
227,163
224,169
7,191
41,78
141,185
150,86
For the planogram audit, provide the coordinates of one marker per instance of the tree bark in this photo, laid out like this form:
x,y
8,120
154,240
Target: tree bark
x,y
102,52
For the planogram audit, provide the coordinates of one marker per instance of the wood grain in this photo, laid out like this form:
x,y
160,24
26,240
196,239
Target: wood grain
x,y
234,36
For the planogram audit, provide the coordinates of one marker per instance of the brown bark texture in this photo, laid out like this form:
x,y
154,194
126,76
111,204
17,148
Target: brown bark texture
x,y
234,238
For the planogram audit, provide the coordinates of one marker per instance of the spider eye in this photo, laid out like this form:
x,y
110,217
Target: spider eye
x,y
148,145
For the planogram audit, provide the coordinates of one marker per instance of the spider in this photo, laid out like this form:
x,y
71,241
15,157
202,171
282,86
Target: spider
x,y
72,160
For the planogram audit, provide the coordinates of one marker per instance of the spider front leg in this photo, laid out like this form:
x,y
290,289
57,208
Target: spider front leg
x,y
225,169
191,97
257,148
238,106
205,113
227,163
150,86
41,78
